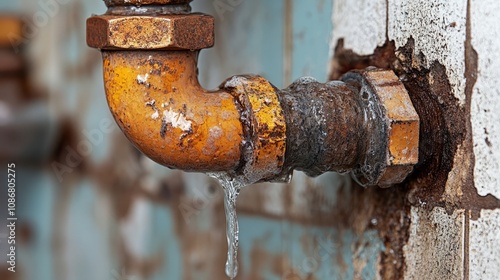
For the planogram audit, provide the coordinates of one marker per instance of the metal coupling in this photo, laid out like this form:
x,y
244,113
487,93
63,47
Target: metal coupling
x,y
364,124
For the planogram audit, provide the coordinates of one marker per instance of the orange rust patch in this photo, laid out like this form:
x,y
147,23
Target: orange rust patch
x,y
403,145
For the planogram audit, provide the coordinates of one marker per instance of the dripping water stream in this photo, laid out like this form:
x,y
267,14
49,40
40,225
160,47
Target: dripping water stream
x,y
232,187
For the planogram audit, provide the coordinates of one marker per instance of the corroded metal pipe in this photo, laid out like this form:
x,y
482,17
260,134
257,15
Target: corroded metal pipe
x,y
247,126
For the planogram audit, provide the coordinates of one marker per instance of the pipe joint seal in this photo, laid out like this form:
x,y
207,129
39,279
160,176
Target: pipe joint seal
x,y
264,126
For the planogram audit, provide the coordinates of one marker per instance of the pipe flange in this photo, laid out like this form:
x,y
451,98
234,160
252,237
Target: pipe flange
x,y
164,32
392,127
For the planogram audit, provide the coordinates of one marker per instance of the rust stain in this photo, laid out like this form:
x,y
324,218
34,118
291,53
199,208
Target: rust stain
x,y
425,187
471,195
471,199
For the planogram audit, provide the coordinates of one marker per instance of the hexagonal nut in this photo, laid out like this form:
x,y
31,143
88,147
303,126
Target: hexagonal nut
x,y
164,32
111,3
392,128
403,125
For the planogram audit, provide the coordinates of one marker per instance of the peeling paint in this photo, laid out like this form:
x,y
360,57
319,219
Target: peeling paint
x,y
177,120
155,115
142,79
362,24
429,23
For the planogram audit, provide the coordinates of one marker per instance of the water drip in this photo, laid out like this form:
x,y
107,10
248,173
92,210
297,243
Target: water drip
x,y
231,186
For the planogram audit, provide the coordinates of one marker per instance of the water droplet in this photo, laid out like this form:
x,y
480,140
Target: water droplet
x,y
232,187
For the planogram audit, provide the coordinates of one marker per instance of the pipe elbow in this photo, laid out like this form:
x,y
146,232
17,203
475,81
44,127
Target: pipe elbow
x,y
157,102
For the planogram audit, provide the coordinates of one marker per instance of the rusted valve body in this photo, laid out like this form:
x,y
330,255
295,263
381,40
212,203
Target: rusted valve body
x,y
365,123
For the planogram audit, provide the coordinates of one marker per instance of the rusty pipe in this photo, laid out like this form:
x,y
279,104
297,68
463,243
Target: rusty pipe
x,y
247,126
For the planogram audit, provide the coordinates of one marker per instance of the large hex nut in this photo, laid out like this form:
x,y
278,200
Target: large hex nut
x,y
111,3
403,122
165,32
393,123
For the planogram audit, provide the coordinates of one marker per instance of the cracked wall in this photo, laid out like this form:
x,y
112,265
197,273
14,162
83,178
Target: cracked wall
x,y
444,52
